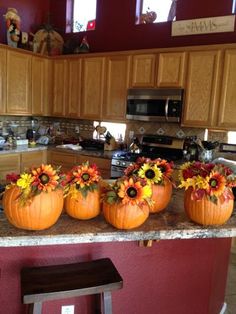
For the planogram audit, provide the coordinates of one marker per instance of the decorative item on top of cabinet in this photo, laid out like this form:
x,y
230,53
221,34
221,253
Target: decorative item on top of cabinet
x,y
92,84
202,87
227,110
60,87
18,82
143,70
171,69
41,86
3,80
115,87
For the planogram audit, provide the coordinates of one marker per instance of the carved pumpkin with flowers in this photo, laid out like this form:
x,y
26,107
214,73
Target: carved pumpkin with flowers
x,y
82,192
126,202
208,198
157,173
33,200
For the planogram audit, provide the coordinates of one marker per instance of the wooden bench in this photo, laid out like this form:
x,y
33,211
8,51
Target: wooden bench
x,y
39,284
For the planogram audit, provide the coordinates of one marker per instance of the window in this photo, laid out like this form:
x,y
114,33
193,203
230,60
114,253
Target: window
x,y
81,15
231,137
117,130
155,11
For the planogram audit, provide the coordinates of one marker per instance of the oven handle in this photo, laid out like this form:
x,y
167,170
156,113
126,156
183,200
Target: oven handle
x,y
167,108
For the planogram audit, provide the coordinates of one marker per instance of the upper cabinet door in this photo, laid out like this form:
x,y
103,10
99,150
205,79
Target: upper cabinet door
x,y
143,70
92,87
18,83
171,69
41,88
227,112
74,88
116,85
60,86
3,75
201,88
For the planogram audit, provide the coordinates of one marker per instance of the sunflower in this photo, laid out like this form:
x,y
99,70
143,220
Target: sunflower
x,y
85,175
133,192
45,178
216,183
165,167
151,173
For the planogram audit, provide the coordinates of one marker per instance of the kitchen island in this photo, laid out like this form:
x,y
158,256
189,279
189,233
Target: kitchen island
x,y
184,271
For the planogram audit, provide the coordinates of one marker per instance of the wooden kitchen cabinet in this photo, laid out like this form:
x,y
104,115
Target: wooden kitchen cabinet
x,y
202,86
60,87
143,70
103,164
3,79
33,159
227,109
74,88
115,88
171,69
41,86
9,163
92,86
18,82
63,159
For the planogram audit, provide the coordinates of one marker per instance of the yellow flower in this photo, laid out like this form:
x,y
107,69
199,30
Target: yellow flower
x,y
190,182
201,183
151,173
25,180
186,165
133,192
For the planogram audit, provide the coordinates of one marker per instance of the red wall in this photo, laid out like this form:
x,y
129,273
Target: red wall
x,y
171,277
116,29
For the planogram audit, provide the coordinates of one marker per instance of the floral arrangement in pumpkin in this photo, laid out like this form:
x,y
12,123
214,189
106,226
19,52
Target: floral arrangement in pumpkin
x,y
83,178
207,179
153,171
36,180
128,191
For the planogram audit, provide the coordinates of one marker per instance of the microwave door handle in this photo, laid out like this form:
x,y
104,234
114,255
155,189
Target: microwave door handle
x,y
167,108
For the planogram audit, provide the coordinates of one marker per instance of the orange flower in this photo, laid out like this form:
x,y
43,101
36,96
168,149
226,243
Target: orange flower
x,y
165,167
85,175
216,183
133,192
45,178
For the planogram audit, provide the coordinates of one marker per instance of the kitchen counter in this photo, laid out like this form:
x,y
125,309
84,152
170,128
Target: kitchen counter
x,y
169,225
22,149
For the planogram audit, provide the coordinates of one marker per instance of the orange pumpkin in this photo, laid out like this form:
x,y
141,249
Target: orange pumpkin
x,y
40,214
161,195
205,212
125,216
83,207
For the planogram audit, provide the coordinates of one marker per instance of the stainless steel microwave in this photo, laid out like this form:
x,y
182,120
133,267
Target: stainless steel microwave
x,y
163,105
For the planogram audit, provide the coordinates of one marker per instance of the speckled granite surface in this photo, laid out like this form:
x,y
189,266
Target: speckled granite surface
x,y
172,223
22,149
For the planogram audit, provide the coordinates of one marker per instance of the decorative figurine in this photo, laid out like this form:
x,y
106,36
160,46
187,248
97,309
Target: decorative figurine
x,y
13,27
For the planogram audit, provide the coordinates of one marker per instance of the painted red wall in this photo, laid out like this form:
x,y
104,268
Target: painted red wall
x,y
116,29
171,277
32,13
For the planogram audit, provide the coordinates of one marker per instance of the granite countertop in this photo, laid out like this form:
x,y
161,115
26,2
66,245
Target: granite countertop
x,y
172,223
22,149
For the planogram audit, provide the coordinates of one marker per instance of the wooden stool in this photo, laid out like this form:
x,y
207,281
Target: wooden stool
x,y
39,284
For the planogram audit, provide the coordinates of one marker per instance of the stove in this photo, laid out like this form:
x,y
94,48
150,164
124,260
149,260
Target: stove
x,y
152,146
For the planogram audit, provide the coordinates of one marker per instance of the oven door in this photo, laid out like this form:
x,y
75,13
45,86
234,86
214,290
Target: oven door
x,y
117,171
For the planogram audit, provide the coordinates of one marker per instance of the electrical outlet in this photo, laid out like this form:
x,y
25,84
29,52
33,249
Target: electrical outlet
x,y
67,309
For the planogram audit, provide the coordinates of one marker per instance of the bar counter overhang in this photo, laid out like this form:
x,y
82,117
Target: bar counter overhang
x,y
184,271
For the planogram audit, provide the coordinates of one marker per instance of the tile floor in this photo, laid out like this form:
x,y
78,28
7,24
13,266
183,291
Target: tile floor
x,y
230,294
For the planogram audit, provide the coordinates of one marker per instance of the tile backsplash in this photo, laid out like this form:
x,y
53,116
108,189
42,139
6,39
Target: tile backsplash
x,y
73,127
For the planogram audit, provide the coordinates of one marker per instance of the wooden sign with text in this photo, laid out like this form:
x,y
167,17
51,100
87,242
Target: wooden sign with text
x,y
219,24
